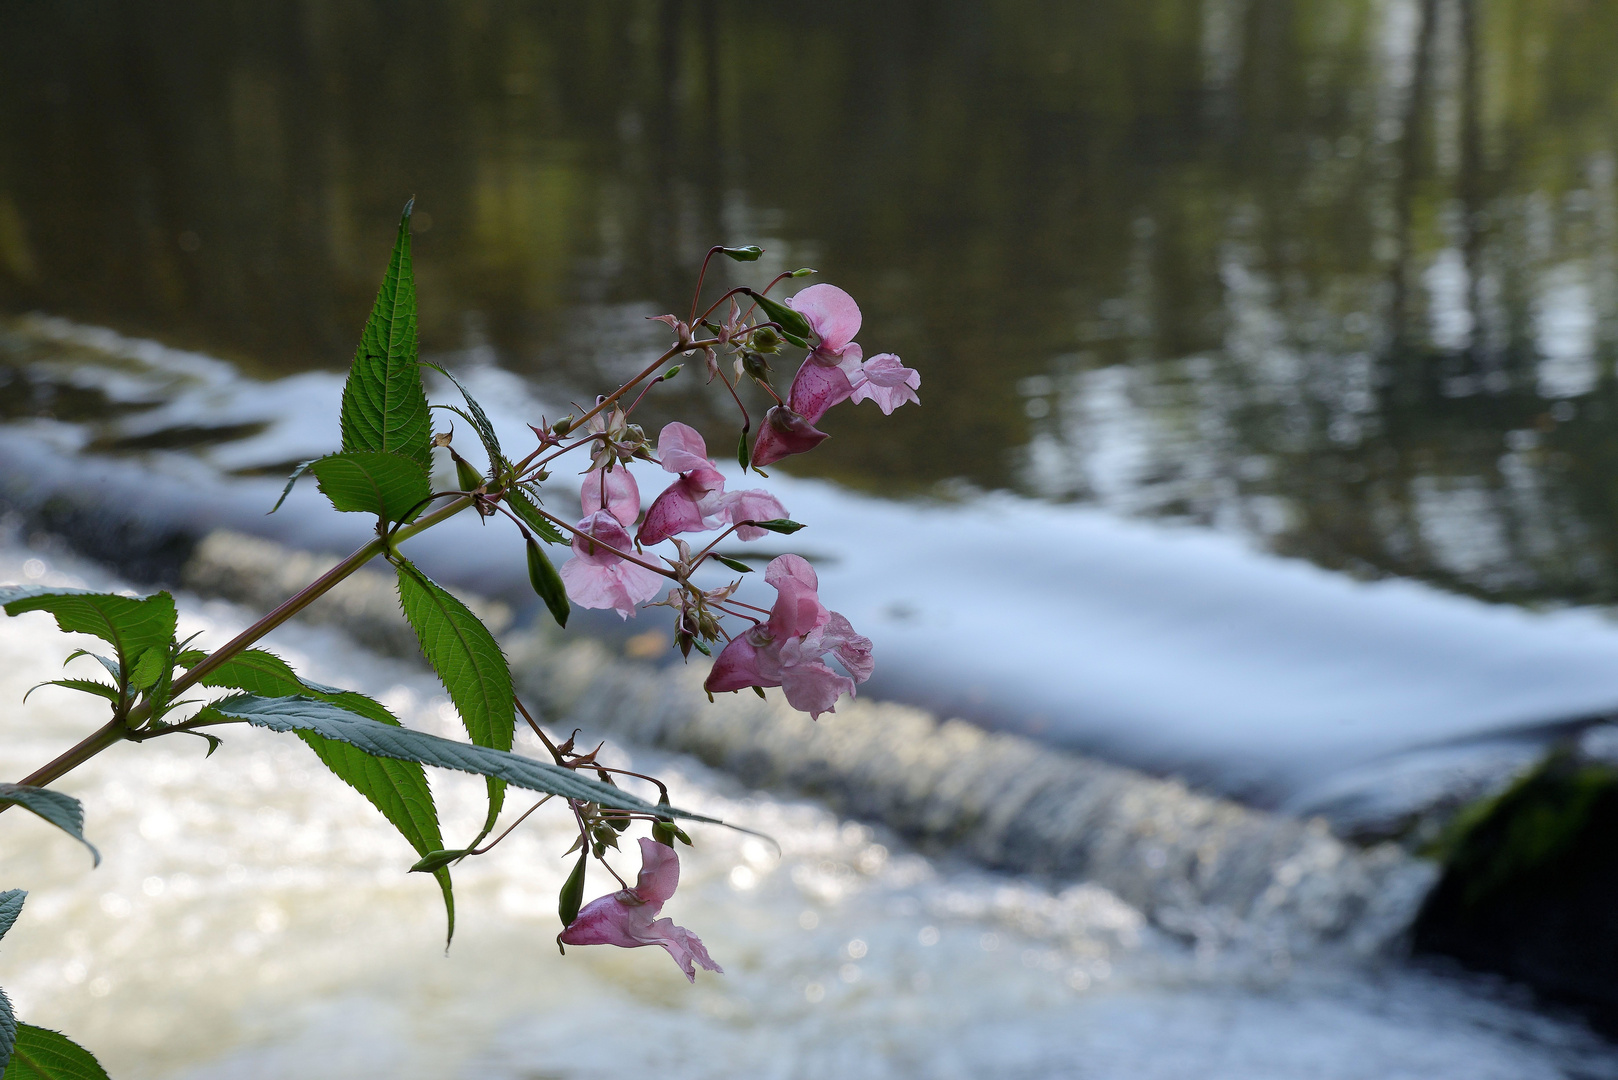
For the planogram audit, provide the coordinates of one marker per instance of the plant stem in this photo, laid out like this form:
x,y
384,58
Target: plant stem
x,y
108,734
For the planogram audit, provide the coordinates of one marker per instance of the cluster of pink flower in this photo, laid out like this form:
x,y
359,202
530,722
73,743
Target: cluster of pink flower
x,y
787,645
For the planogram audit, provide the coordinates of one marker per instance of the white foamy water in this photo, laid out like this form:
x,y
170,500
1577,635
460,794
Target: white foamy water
x,y
1173,649
253,919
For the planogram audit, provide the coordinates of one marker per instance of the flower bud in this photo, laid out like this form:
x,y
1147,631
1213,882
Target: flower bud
x,y
562,426
469,478
766,340
571,898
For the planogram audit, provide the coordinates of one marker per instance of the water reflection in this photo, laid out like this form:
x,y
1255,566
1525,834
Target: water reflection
x,y
1342,275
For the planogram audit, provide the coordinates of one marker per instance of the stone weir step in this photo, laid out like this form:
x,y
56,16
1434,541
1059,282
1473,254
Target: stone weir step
x,y
1205,869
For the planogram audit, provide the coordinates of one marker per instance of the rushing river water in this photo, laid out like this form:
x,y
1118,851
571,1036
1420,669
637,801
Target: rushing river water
x,y
1288,329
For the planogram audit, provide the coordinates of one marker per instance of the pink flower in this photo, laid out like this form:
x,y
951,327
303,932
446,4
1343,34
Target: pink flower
x,y
754,504
784,433
691,503
827,373
887,382
598,578
628,918
622,496
789,650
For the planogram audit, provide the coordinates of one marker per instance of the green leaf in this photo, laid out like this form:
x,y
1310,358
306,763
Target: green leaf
x,y
10,907
297,473
60,810
571,898
8,1030
148,667
129,624
190,658
84,686
742,456
547,584
110,664
396,788
367,482
406,744
778,525
470,665
436,860
479,419
750,253
735,564
523,505
384,406
41,1054
790,321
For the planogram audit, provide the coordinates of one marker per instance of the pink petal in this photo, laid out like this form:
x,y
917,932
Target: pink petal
x,y
754,504
852,650
884,380
677,510
797,610
659,873
784,433
684,946
831,312
813,687
817,388
608,920
740,664
680,448
623,494
600,578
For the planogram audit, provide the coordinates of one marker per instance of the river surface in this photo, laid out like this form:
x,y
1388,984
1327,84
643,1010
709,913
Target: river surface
x,y
1268,355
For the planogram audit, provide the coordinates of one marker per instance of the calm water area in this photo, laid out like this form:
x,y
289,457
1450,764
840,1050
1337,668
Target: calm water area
x,y
1268,428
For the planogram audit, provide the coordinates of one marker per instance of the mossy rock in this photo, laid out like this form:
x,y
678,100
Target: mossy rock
x,y
1530,886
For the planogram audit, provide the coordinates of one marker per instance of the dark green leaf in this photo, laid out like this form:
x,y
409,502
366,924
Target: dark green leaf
x,y
547,584
470,665
129,624
8,1030
571,898
384,406
41,1054
85,686
523,505
190,658
742,455
366,482
107,662
750,253
778,525
60,810
297,473
10,907
735,564
437,860
406,744
479,419
790,321
397,788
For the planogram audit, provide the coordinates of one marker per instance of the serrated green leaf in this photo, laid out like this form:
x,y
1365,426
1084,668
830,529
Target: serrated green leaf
x,y
396,788
84,686
60,810
479,419
778,525
437,860
735,564
148,667
790,321
129,624
42,1054
406,744
8,1031
523,505
470,665
10,907
367,482
297,474
107,662
190,658
384,405
547,584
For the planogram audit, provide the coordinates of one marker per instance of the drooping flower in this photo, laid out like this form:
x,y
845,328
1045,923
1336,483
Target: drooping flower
x,y
789,650
628,918
783,434
827,372
693,502
596,577
621,497
754,504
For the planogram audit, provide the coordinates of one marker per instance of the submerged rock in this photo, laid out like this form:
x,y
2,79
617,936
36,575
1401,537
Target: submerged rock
x,y
1530,885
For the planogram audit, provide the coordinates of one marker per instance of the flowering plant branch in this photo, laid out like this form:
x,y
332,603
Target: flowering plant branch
x,y
384,469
